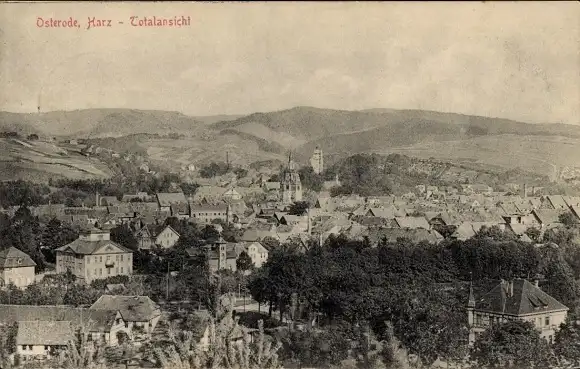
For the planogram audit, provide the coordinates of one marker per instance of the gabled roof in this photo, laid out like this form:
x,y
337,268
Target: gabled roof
x,y
93,320
179,209
14,258
258,235
467,230
132,308
548,216
412,222
525,299
575,210
166,198
39,332
161,229
572,200
386,213
557,201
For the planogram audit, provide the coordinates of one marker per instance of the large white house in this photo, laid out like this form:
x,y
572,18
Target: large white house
x,y
94,256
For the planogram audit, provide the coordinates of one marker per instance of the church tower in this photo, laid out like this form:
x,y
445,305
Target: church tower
x,y
291,185
316,161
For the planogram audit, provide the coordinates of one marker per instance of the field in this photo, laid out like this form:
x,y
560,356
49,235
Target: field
x,y
38,161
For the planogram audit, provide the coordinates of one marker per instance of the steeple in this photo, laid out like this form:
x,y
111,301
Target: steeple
x,y
290,162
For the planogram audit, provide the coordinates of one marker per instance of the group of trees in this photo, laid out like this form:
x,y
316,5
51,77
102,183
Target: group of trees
x,y
39,240
421,289
372,175
78,192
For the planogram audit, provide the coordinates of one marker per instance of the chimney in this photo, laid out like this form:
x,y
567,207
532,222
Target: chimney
x,y
537,282
511,288
525,190
97,199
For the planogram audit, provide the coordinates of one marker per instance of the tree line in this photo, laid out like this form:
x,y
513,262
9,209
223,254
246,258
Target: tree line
x,y
420,289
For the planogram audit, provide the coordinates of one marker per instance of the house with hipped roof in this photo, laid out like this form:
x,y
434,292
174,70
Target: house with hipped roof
x,y
94,256
517,299
16,268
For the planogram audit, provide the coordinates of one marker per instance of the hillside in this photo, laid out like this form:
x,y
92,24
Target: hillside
x,y
106,122
543,148
38,161
313,124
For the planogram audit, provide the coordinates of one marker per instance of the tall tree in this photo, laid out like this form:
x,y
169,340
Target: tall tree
x,y
244,262
515,343
124,237
567,342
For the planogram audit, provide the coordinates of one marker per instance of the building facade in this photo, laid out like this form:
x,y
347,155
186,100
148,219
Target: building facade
x,y
167,238
94,256
515,300
290,184
205,214
16,268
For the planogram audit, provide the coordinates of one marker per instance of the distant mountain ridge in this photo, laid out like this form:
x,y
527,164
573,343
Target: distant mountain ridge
x,y
266,136
106,122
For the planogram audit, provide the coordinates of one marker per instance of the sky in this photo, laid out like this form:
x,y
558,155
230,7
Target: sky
x,y
512,60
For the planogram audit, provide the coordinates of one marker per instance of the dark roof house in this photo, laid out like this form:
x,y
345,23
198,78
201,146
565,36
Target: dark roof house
x,y
14,258
517,297
132,308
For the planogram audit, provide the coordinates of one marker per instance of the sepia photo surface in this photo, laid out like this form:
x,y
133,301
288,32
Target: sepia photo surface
x,y
258,185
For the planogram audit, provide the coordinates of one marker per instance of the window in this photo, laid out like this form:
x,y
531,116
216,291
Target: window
x,y
121,257
30,347
109,271
23,347
46,348
547,321
478,319
108,257
116,270
121,270
116,257
100,271
100,259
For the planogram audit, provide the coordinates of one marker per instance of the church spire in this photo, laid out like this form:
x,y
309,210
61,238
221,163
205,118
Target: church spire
x,y
290,161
